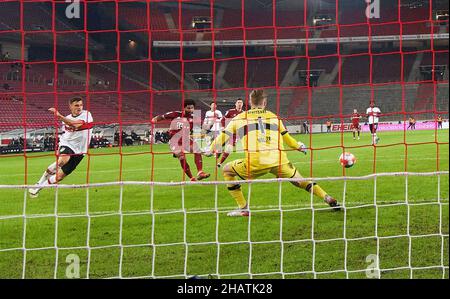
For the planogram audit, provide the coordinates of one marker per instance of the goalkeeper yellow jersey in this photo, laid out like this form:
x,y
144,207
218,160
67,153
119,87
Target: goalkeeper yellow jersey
x,y
260,132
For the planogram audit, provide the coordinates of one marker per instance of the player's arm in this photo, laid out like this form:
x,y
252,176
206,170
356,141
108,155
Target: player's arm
x,y
168,115
223,137
76,124
290,141
157,118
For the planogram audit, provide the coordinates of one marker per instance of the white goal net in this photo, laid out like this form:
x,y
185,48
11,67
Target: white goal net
x,y
371,238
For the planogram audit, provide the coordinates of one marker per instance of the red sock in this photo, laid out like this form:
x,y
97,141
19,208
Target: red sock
x,y
224,157
185,166
198,162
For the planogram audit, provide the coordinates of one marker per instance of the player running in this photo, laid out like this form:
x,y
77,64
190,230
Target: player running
x,y
261,131
181,141
73,145
355,123
229,115
372,115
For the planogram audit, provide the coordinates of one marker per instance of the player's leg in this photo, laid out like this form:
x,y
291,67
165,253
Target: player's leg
x,y
375,128
198,160
201,175
68,164
227,151
184,165
208,138
51,178
371,133
354,133
216,134
52,171
177,149
229,174
232,171
359,131
289,171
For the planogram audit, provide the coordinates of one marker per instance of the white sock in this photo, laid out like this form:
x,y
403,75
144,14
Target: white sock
x,y
51,170
50,181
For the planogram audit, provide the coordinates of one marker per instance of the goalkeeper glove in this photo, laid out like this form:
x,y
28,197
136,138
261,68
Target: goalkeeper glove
x,y
302,148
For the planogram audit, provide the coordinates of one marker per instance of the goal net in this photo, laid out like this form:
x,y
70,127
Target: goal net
x,y
128,210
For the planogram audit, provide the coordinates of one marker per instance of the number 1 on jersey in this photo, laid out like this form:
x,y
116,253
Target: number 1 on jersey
x,y
262,129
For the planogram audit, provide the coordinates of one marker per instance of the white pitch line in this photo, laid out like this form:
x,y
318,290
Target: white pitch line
x,y
324,161
256,208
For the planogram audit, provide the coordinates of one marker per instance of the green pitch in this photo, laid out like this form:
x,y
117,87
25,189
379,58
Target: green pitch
x,y
299,224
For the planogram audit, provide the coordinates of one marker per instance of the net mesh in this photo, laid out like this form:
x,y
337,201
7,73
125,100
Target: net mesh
x,y
133,60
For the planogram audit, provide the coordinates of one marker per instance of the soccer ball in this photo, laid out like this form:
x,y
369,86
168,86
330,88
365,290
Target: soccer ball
x,y
347,159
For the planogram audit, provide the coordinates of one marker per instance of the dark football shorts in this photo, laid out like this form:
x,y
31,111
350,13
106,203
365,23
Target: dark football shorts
x,y
73,161
373,128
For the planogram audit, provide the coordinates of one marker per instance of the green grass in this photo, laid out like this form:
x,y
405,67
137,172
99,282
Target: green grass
x,y
313,240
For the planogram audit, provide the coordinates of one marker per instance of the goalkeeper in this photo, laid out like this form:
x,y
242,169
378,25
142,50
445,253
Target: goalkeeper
x,y
262,134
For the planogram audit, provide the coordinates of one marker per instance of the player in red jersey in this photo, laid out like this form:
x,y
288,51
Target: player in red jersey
x,y
229,115
181,141
355,123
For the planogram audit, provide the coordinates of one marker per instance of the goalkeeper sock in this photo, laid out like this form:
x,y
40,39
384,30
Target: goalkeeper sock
x,y
317,190
184,164
236,192
198,162
51,170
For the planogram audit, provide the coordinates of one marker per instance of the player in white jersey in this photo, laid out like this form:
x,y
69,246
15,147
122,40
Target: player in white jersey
x,y
373,113
73,144
212,123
